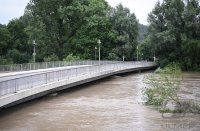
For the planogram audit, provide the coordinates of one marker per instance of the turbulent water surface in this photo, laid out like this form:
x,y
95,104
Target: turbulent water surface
x,y
114,103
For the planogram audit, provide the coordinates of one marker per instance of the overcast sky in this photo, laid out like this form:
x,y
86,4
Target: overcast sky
x,y
10,9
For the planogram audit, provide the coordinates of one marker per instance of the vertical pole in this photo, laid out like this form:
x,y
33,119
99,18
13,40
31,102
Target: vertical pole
x,y
99,42
15,85
99,54
137,53
46,78
95,53
34,54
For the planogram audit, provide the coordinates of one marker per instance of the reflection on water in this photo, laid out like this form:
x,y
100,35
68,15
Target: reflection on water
x,y
114,103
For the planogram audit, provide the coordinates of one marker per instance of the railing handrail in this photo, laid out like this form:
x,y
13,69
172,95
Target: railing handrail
x,y
58,61
44,72
60,74
45,65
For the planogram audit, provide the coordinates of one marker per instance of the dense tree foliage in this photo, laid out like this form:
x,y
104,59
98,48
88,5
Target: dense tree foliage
x,y
65,24
143,29
65,28
20,50
174,32
14,47
125,33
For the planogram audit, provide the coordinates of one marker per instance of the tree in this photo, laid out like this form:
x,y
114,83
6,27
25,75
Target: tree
x,y
97,26
20,50
192,19
125,30
5,39
64,27
143,29
62,21
146,50
173,24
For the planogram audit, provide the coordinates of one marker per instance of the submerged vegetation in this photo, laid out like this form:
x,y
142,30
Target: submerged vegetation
x,y
162,91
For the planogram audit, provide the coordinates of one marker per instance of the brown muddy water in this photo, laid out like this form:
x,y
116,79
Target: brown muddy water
x,y
111,104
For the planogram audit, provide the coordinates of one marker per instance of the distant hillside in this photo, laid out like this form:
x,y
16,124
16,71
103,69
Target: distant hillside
x,y
142,31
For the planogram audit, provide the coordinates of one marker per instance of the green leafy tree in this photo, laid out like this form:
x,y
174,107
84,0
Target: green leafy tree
x,y
64,27
192,19
125,32
174,24
146,50
143,29
71,57
5,41
5,44
97,26
19,50
64,22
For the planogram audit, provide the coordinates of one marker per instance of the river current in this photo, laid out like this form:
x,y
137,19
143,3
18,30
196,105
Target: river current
x,y
111,104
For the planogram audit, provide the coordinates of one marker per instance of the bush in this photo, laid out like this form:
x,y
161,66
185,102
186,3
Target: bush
x,y
163,87
113,56
172,68
51,58
71,57
160,89
4,61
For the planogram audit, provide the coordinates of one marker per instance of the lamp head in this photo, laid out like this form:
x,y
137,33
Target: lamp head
x,y
99,42
34,42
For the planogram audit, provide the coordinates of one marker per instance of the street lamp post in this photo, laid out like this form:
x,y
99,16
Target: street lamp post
x,y
141,57
95,48
137,53
99,42
123,53
34,53
154,59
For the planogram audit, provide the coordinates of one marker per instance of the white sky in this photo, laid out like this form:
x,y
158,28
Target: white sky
x,y
10,9
141,8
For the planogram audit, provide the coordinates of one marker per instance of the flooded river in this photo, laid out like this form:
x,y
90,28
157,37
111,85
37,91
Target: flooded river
x,y
111,104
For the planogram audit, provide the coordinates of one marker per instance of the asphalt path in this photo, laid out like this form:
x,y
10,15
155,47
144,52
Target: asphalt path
x,y
14,75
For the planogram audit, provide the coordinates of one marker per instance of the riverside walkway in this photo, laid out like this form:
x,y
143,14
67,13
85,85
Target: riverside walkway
x,y
22,86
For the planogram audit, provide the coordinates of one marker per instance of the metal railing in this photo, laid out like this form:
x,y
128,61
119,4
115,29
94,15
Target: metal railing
x,y
30,81
45,65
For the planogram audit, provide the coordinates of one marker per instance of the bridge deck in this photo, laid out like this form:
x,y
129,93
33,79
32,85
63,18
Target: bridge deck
x,y
31,86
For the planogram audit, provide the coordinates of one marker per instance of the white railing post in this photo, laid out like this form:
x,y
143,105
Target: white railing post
x,y
15,86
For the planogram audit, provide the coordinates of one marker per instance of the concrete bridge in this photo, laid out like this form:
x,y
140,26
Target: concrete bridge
x,y
22,86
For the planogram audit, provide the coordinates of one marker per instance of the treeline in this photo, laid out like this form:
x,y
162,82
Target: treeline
x,y
65,29
174,34
70,29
